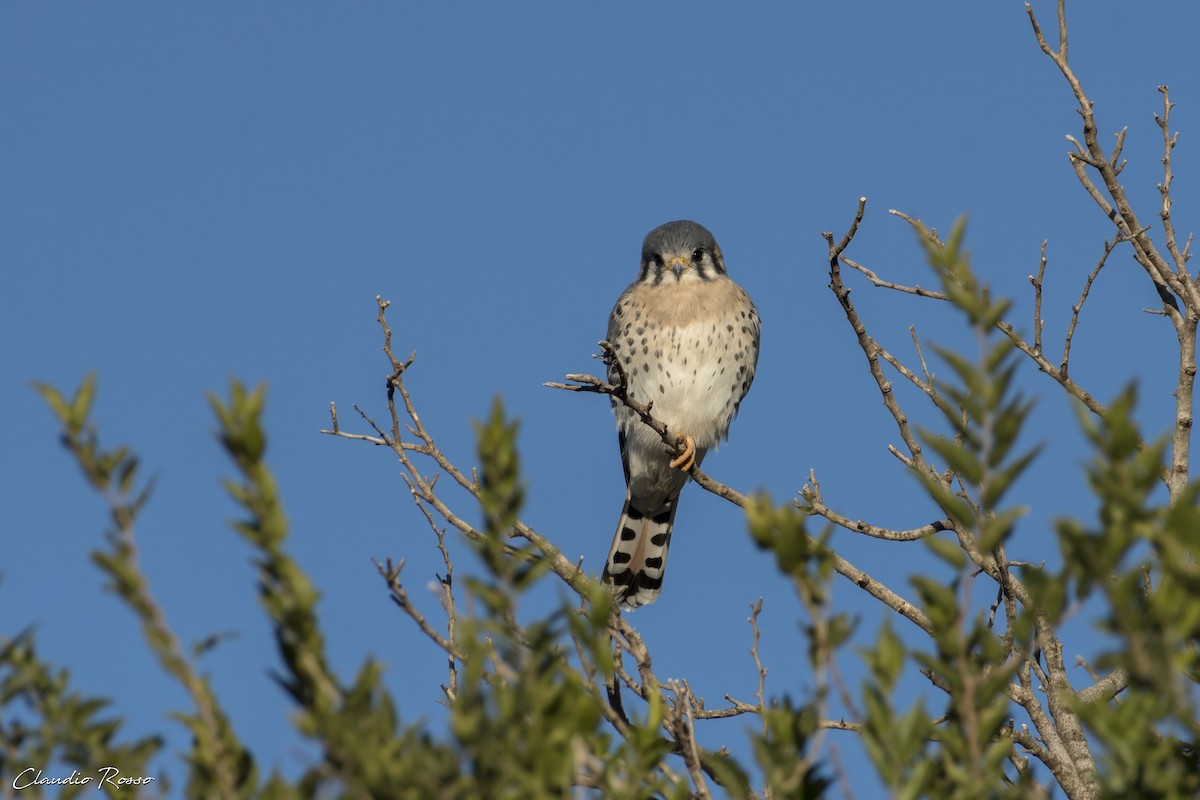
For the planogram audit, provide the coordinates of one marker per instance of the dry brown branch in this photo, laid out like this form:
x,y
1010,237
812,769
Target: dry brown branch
x,y
836,251
1090,154
814,504
1060,742
1169,141
916,289
871,350
756,634
446,592
925,386
1033,351
869,347
1075,309
423,488
391,574
1038,322
1171,280
683,727
912,329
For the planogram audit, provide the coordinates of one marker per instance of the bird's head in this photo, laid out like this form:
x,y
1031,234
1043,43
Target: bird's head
x,y
680,251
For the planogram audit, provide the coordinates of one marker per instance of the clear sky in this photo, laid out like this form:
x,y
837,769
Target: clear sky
x,y
194,192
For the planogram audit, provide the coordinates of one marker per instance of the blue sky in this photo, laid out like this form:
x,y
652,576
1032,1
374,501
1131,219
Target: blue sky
x,y
193,193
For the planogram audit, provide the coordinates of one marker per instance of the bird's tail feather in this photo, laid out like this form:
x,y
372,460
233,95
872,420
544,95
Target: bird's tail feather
x,y
638,556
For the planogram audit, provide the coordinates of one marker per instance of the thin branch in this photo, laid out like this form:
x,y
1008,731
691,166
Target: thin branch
x,y
446,594
814,504
761,694
1075,309
683,726
836,252
1038,322
1044,365
1091,154
869,347
423,488
898,287
926,387
1164,188
1171,281
912,329
391,575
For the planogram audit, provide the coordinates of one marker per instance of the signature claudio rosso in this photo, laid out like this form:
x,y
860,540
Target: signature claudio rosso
x,y
105,776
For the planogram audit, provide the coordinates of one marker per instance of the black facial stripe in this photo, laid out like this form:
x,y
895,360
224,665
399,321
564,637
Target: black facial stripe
x,y
705,262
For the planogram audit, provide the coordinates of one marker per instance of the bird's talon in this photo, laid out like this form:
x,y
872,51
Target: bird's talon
x,y
687,459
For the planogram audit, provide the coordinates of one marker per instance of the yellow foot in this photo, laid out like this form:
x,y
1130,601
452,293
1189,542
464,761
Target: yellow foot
x,y
686,459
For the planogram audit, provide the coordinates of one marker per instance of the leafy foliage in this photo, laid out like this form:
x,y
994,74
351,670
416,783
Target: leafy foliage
x,y
45,722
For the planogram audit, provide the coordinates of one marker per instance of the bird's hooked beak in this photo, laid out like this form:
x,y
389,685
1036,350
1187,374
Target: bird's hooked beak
x,y
678,264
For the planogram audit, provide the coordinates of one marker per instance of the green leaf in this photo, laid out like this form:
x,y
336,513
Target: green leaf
x,y
81,404
961,459
55,400
947,550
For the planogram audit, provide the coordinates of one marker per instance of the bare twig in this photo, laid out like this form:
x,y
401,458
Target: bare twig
x,y
391,574
683,727
912,329
1075,309
919,291
869,347
761,694
814,504
1037,356
836,251
1169,141
446,590
1090,154
1038,322
1170,280
925,386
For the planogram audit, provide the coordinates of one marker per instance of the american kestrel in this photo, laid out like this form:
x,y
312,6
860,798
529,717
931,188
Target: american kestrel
x,y
687,338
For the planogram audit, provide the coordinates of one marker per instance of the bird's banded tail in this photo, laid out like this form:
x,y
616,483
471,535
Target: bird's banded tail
x,y
638,556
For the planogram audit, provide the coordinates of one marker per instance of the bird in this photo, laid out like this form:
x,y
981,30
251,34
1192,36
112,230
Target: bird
x,y
684,338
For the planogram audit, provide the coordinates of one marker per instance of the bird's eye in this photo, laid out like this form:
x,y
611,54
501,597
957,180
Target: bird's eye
x,y
658,260
698,254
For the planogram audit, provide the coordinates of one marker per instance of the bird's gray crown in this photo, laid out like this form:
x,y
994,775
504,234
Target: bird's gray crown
x,y
680,236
